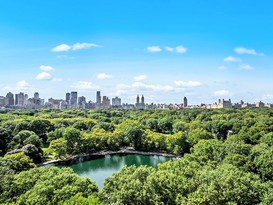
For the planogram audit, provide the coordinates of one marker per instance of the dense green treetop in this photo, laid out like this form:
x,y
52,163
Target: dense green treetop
x,y
226,156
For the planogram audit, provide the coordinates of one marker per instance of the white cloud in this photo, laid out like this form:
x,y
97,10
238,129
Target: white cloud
x,y
140,86
222,93
187,83
122,89
103,76
19,86
46,68
246,67
241,50
7,88
180,49
23,85
170,49
177,49
232,59
43,76
152,87
140,77
154,49
84,86
78,46
61,48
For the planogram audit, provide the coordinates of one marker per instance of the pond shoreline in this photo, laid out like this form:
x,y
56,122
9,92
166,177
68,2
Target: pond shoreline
x,y
102,154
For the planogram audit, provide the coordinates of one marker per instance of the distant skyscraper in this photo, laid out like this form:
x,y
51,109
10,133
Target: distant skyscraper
x,y
105,102
81,100
10,99
67,98
137,99
98,100
36,100
142,100
26,99
140,105
19,99
2,101
36,96
73,99
116,102
185,104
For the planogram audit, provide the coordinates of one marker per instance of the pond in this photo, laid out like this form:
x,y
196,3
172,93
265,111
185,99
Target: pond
x,y
100,169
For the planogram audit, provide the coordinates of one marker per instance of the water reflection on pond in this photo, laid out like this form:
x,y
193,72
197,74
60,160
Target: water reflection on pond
x,y
100,169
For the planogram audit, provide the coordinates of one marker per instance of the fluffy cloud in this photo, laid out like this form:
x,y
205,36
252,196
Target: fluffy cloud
x,y
7,88
187,83
83,86
152,87
140,77
122,89
241,50
103,76
46,68
222,93
246,67
76,46
177,49
154,49
61,48
44,76
180,49
232,59
23,85
19,86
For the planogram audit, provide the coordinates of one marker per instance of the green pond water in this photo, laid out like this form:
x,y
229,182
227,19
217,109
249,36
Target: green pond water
x,y
100,169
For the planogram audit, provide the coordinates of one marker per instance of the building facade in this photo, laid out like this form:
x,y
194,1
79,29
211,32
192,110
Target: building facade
x,y
116,102
73,99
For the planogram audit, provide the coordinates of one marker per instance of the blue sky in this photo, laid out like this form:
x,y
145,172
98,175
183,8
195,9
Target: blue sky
x,y
164,49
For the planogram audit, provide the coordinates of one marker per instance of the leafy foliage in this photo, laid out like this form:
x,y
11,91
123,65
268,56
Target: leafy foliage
x,y
226,156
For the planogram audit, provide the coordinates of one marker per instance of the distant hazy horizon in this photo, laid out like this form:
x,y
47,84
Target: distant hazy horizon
x,y
165,50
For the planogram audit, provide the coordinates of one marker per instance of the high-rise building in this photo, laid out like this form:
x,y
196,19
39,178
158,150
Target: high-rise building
x,y
2,101
36,96
105,103
116,102
54,103
137,99
98,100
73,99
19,99
26,99
9,99
67,98
185,102
36,100
81,100
142,100
140,105
224,103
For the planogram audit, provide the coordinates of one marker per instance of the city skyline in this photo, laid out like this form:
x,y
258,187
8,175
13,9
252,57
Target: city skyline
x,y
163,50
74,101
